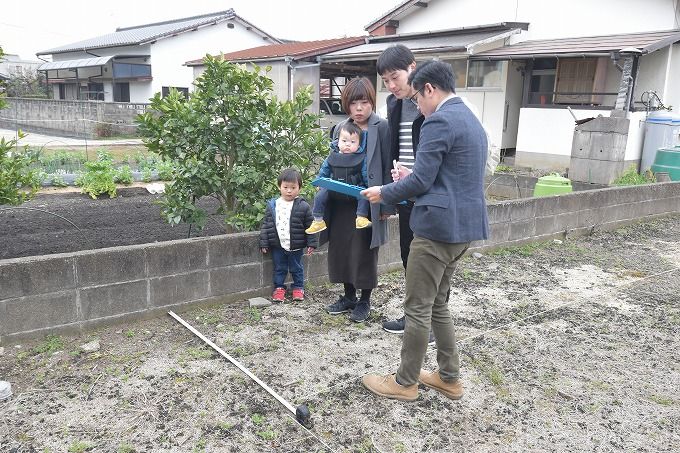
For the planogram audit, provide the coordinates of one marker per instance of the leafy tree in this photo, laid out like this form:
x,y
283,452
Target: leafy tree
x,y
18,182
229,141
26,83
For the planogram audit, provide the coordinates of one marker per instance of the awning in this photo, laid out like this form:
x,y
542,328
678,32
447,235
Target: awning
x,y
448,41
73,64
584,46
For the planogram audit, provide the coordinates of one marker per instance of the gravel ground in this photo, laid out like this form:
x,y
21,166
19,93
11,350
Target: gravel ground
x,y
571,346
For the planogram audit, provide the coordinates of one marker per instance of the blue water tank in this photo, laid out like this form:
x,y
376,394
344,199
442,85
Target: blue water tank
x,y
662,131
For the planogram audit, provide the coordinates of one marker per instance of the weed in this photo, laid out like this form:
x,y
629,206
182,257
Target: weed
x,y
146,175
126,448
267,434
130,333
224,426
52,344
399,447
198,353
503,168
123,175
365,446
200,445
631,177
495,376
333,321
254,315
662,400
258,419
79,447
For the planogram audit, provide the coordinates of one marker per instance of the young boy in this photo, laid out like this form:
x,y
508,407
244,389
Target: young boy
x,y
346,163
283,232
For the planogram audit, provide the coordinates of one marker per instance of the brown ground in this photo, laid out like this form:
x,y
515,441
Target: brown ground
x,y
569,346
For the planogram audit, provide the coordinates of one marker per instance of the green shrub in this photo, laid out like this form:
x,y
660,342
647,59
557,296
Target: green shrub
x,y
146,175
631,177
229,141
123,175
98,179
18,180
165,170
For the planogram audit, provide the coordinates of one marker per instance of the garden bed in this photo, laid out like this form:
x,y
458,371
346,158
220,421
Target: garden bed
x,y
565,346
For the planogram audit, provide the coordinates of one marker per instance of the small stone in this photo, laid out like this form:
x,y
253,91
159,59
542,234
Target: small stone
x,y
557,241
92,346
2,350
18,346
5,390
259,302
477,255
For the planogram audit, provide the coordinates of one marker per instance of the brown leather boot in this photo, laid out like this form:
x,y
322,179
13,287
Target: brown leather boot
x,y
453,390
388,387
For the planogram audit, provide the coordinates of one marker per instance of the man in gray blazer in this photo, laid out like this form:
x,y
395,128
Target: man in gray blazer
x,y
449,213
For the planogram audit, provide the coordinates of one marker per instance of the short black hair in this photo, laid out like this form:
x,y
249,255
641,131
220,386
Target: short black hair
x,y
394,58
357,89
436,73
289,175
351,128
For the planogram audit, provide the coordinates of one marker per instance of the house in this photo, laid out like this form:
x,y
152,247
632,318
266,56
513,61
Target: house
x,y
134,63
566,54
295,64
11,64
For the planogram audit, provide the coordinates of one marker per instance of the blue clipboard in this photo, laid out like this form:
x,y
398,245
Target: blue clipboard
x,y
341,187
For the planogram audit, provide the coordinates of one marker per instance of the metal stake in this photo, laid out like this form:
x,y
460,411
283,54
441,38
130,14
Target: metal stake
x,y
301,413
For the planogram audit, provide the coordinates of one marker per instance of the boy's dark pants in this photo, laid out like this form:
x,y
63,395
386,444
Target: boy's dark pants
x,y
284,262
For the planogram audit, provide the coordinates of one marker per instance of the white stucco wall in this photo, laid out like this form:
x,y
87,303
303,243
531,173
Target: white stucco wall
x,y
169,55
652,73
672,92
548,19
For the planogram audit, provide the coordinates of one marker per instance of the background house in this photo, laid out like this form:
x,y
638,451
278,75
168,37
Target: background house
x,y
133,63
525,109
11,64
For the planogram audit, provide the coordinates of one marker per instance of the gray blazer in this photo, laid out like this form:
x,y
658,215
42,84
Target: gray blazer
x,y
448,177
378,165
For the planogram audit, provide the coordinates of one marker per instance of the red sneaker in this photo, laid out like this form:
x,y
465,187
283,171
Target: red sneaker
x,y
299,294
279,295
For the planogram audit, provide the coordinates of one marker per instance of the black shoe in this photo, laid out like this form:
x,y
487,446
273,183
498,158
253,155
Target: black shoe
x,y
342,305
396,326
360,312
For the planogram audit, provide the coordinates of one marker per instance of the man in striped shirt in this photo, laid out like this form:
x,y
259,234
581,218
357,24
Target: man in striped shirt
x,y
394,66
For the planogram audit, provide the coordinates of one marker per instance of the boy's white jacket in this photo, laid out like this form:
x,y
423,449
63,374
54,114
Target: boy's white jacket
x,y
493,156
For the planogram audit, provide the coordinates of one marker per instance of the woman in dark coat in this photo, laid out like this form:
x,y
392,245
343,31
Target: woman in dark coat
x,y
352,252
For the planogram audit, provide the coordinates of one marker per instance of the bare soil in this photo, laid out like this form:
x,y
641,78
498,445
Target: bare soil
x,y
571,346
65,220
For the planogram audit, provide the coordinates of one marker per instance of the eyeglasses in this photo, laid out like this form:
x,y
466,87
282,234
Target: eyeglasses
x,y
413,98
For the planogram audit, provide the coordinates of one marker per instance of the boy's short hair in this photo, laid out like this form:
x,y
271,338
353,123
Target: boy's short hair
x,y
289,175
358,89
436,73
394,58
351,128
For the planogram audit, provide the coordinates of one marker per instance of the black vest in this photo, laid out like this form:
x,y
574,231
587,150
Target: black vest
x,y
347,167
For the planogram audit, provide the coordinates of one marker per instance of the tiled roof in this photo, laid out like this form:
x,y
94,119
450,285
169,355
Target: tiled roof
x,y
293,50
140,34
647,42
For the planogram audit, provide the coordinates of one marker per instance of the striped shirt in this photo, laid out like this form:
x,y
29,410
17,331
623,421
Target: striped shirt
x,y
409,112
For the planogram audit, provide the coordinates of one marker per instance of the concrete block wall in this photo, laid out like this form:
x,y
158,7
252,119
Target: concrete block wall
x,y
75,291
70,118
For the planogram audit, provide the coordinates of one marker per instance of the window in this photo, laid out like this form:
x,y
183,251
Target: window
x,y
542,82
484,74
459,71
95,91
62,91
130,71
166,90
121,92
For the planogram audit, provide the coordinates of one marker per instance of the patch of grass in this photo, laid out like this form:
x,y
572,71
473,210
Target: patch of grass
x,y
130,333
267,434
224,426
80,447
399,447
631,177
495,376
500,168
331,321
365,446
662,400
254,315
126,448
258,419
197,353
200,446
52,344
522,250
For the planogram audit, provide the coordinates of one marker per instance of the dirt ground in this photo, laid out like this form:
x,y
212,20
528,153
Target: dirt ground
x,y
571,346
65,220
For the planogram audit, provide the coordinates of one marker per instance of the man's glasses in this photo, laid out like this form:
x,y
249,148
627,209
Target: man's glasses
x,y
415,95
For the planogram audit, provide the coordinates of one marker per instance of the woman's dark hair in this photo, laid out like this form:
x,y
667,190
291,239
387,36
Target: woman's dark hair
x,y
358,89
289,175
351,128
436,73
394,58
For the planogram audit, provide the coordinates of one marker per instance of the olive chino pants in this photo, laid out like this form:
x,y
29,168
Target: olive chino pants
x,y
430,267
